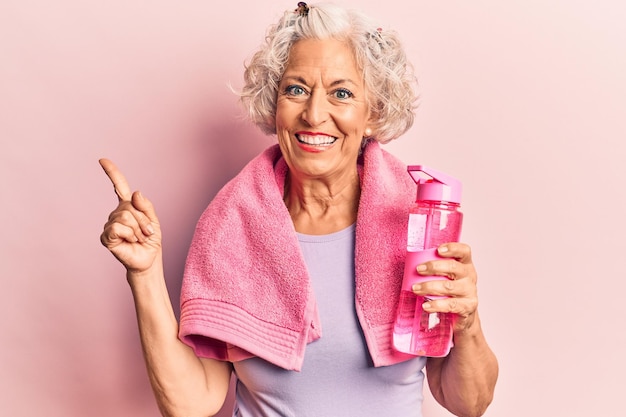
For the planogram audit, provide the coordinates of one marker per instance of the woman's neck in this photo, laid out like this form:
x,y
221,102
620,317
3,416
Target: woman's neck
x,y
319,207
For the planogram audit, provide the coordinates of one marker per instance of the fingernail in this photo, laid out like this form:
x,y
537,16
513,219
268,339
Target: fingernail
x,y
426,306
443,249
416,287
421,268
150,229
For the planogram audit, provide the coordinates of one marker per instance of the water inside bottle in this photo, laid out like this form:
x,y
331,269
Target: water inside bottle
x,y
418,332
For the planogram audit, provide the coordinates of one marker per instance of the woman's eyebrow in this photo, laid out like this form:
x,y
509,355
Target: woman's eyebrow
x,y
332,84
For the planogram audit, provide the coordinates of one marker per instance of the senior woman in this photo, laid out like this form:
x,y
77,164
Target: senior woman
x,y
294,271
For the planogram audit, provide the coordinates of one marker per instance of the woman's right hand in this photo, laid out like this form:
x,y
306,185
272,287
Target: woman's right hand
x,y
132,233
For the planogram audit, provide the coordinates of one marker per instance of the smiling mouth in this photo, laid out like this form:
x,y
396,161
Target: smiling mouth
x,y
316,140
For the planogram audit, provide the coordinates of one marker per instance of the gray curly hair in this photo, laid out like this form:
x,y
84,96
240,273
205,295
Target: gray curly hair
x,y
387,74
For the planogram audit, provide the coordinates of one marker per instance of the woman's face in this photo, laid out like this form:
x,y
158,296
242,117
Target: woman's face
x,y
321,111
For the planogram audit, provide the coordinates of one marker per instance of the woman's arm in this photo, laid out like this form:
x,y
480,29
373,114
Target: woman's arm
x,y
464,381
183,384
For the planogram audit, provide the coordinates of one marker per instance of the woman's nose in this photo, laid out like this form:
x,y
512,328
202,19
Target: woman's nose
x,y
316,110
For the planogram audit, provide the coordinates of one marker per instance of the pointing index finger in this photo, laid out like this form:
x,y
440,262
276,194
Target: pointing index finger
x,y
120,184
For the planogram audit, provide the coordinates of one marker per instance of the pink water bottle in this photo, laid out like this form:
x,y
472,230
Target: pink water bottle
x,y
435,218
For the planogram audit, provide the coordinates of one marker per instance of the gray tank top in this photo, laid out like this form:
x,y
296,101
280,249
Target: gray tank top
x,y
337,377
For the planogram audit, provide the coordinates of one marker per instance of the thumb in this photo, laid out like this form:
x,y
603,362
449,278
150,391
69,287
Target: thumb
x,y
145,206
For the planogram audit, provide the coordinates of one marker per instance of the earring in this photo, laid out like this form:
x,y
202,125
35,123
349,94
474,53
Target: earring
x,y
368,132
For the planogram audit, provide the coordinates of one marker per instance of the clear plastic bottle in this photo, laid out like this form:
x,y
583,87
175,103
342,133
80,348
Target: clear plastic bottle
x,y
435,218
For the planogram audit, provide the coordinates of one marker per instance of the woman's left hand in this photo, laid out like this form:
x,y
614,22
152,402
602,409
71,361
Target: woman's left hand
x,y
460,288
463,382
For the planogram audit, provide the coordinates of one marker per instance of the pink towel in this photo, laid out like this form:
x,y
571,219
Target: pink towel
x,y
246,289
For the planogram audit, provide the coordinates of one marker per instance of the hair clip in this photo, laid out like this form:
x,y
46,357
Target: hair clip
x,y
303,9
377,36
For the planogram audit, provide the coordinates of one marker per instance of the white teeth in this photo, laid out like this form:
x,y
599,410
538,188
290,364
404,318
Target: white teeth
x,y
316,140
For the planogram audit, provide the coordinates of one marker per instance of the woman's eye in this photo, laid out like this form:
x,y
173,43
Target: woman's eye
x,y
295,90
343,94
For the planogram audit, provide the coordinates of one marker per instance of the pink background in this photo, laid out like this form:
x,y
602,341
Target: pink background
x,y
522,100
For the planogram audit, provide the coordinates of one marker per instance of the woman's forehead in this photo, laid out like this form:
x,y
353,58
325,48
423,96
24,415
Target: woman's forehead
x,y
329,57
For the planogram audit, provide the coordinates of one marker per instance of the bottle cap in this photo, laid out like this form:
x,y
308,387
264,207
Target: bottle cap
x,y
436,186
